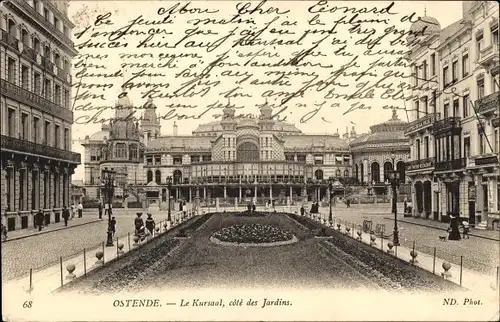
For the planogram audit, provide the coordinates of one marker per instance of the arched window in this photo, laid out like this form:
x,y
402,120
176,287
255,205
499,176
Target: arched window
x,y
318,174
177,177
25,37
158,176
356,172
400,166
120,150
346,173
247,151
387,171
46,52
362,173
338,173
375,172
65,65
150,176
11,27
36,45
57,59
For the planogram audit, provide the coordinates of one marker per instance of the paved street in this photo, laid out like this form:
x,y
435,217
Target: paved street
x,y
40,251
478,253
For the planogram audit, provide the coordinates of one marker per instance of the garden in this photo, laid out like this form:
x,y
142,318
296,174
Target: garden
x,y
252,234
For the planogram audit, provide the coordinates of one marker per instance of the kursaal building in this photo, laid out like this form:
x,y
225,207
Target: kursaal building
x,y
36,117
250,160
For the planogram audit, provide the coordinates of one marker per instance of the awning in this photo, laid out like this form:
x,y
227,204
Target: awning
x,y
338,159
319,157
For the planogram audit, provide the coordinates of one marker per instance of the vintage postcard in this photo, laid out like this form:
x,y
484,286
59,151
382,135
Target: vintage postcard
x,y
226,160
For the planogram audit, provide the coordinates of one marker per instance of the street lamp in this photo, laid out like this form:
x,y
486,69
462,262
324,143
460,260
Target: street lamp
x,y
169,187
108,176
330,187
395,186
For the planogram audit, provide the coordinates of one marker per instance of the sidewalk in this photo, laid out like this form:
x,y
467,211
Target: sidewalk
x,y
28,232
487,234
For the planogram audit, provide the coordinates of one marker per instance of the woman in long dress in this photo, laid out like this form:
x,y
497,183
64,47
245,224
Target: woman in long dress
x,y
454,231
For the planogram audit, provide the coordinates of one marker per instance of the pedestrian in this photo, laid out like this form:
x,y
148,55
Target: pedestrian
x,y
4,232
465,231
80,210
73,211
253,207
454,233
348,203
405,206
99,207
302,210
112,225
150,224
39,219
139,224
65,215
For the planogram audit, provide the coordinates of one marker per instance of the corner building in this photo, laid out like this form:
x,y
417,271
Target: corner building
x,y
453,132
36,117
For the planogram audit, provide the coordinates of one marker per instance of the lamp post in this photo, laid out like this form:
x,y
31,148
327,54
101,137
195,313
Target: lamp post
x,y
394,186
108,177
330,187
169,189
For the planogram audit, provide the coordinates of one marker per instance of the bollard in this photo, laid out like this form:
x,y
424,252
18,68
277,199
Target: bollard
x,y
116,246
461,262
60,264
390,245
338,227
347,230
434,261
446,267
120,249
359,235
100,260
84,263
372,240
128,234
413,259
136,241
70,268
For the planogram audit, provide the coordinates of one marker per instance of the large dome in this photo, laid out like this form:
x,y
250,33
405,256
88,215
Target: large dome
x,y
425,26
390,131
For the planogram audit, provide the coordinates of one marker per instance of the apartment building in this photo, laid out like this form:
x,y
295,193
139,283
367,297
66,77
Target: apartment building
x,y
454,163
36,117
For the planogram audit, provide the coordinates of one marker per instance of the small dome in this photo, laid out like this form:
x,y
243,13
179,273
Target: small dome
x,y
425,26
99,136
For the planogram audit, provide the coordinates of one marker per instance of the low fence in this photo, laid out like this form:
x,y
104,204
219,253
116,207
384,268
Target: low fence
x,y
58,272
460,269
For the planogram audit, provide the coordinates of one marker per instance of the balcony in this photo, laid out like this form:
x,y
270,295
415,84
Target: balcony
x,y
420,164
488,56
35,149
37,102
456,164
422,123
488,103
447,126
10,40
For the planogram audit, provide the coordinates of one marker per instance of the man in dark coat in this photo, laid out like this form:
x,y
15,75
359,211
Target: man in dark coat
x,y
39,219
139,224
253,207
65,215
249,207
302,210
454,232
150,224
112,225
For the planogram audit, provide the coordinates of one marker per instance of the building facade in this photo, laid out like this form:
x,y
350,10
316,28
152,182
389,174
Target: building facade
x,y
453,118
248,159
35,75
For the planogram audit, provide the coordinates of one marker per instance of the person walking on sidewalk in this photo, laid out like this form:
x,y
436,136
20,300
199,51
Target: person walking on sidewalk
x,y
150,224
99,207
80,210
4,232
112,225
73,211
39,219
65,215
465,232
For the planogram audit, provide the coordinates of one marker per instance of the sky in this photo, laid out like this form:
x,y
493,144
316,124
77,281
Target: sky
x,y
331,118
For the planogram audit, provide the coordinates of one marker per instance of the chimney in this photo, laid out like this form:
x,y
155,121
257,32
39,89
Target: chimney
x,y
175,129
346,134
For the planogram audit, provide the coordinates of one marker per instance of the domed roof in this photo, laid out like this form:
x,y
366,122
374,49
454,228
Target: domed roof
x,y
385,132
425,25
99,136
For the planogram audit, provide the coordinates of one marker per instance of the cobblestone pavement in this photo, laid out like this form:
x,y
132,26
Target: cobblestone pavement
x,y
477,253
40,251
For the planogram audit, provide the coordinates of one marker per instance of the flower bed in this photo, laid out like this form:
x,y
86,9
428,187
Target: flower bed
x,y
197,224
304,221
252,234
252,214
